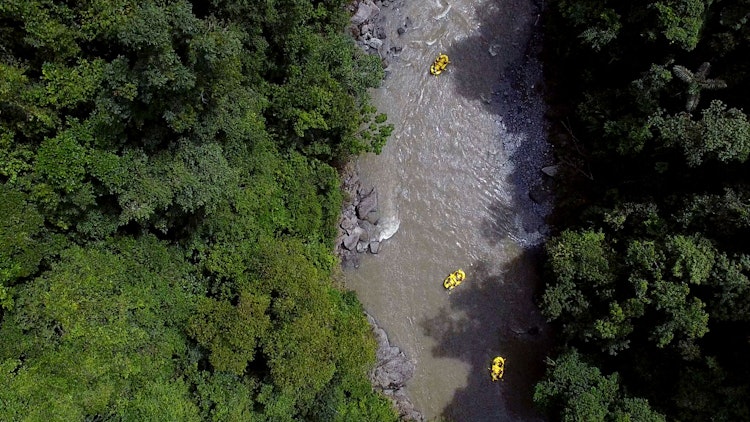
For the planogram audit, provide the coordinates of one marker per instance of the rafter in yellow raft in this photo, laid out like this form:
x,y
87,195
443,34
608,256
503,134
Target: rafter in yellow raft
x,y
454,279
498,368
441,63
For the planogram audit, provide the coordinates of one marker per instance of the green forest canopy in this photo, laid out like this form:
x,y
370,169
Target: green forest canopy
x,y
169,200
647,275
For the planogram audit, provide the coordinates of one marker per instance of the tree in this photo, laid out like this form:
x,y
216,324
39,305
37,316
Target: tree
x,y
696,82
579,392
721,134
98,334
681,21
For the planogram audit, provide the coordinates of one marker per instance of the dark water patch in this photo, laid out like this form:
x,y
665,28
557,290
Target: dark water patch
x,y
493,314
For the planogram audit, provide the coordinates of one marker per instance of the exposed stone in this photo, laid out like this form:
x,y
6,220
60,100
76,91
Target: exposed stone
x,y
369,231
367,203
374,247
539,194
372,217
550,171
363,13
348,224
379,32
392,370
350,240
375,43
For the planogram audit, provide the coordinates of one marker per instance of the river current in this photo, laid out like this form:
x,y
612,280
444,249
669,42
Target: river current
x,y
453,184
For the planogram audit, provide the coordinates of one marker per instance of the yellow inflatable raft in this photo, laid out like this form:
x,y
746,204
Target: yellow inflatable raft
x,y
440,64
498,368
454,279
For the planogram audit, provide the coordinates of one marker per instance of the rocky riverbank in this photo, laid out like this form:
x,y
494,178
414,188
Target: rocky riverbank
x,y
360,232
360,227
392,371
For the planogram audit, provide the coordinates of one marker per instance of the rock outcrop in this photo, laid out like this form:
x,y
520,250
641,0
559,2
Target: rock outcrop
x,y
360,227
392,370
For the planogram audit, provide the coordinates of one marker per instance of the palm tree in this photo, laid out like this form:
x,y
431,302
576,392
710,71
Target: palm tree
x,y
696,82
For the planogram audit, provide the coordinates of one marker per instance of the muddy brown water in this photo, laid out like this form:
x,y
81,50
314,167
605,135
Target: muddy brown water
x,y
453,183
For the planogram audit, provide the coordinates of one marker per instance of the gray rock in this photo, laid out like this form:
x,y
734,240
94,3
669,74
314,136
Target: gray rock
x,y
364,12
351,240
367,203
550,171
372,217
369,231
379,32
374,247
374,43
539,194
393,373
348,223
374,9
361,246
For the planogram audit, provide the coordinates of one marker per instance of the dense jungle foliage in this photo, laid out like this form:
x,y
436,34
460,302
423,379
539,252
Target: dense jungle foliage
x,y
647,273
168,200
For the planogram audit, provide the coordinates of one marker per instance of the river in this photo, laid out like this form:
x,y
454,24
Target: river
x,y
455,178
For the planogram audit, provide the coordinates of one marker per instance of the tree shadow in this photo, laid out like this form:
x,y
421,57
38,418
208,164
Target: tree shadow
x,y
493,314
499,67
493,64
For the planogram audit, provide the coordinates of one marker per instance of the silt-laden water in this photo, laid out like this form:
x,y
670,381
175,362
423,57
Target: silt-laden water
x,y
455,179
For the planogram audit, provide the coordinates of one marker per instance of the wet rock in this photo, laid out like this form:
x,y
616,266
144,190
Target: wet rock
x,y
373,217
368,231
550,171
374,43
540,194
348,224
364,12
367,203
392,370
401,30
351,240
379,32
393,373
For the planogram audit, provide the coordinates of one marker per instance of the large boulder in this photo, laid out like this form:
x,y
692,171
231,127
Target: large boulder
x,y
394,373
367,203
364,12
351,240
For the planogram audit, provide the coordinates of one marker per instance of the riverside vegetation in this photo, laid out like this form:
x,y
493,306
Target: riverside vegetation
x,y
168,203
647,273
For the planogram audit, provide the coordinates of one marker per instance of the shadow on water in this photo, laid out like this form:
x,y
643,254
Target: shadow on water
x,y
488,65
493,313
499,67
